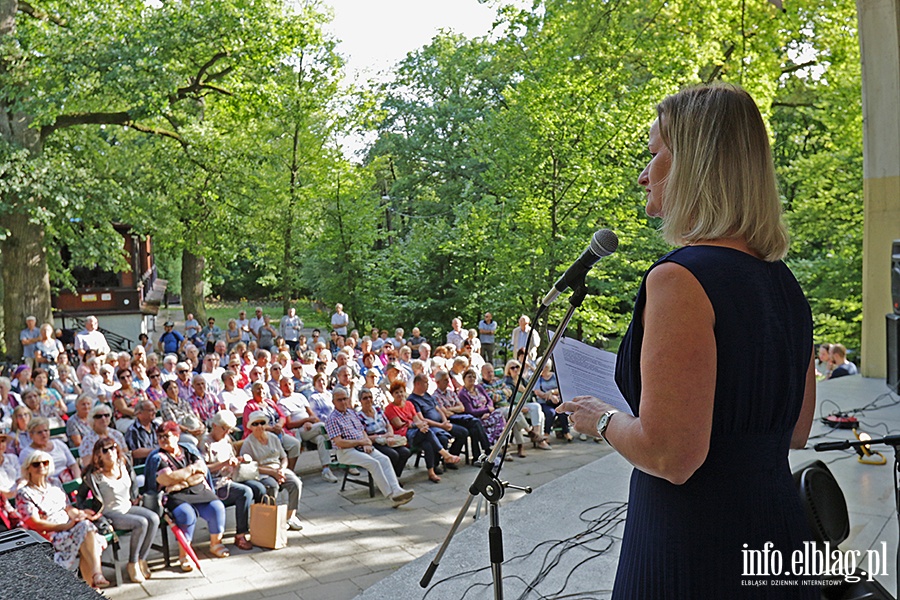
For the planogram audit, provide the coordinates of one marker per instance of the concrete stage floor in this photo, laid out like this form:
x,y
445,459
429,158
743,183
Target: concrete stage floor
x,y
566,532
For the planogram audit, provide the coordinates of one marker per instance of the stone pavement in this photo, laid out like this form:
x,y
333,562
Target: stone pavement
x,y
349,541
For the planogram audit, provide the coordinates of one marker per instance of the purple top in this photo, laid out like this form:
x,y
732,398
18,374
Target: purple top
x,y
477,404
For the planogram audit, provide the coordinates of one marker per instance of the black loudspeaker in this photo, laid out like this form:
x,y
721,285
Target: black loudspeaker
x,y
893,352
895,276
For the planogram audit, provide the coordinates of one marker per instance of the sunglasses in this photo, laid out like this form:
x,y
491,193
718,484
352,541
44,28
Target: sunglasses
x,y
514,368
183,372
258,424
108,449
157,376
103,415
125,376
41,463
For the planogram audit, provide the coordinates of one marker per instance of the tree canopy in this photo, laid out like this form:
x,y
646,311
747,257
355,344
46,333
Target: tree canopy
x,y
218,127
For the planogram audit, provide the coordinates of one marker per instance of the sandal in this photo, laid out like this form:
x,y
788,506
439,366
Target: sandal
x,y
434,479
451,459
543,445
187,565
243,543
98,581
219,551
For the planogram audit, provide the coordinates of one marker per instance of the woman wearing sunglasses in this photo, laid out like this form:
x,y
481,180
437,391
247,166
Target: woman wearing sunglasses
x,y
113,485
44,508
179,474
101,415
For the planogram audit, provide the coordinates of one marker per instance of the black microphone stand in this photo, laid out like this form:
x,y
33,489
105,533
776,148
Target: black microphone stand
x,y
487,482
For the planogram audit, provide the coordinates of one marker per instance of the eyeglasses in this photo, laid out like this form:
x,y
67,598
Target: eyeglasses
x,y
365,397
183,372
108,449
257,424
100,416
41,463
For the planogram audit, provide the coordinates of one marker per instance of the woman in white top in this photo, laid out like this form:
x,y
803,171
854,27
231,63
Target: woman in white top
x,y
67,468
112,483
266,449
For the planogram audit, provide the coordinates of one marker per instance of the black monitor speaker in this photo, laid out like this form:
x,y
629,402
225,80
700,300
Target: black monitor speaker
x,y
895,276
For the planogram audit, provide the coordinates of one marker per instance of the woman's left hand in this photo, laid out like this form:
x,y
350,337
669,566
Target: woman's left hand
x,y
585,413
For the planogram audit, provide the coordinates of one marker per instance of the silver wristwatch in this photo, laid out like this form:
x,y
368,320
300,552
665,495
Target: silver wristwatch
x,y
603,423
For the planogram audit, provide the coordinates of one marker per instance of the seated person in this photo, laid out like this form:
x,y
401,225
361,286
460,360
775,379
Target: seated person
x,y
141,435
303,422
277,422
52,405
379,430
44,508
841,367
114,490
179,471
66,468
449,404
101,415
10,471
406,420
479,404
354,447
265,448
79,423
178,410
547,391
217,447
444,429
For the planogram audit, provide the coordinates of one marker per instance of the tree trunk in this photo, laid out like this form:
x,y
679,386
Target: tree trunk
x,y
192,297
26,278
23,256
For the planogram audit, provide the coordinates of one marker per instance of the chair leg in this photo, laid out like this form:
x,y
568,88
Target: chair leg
x,y
344,480
371,486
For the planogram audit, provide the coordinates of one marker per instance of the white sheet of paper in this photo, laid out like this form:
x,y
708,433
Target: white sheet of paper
x,y
583,370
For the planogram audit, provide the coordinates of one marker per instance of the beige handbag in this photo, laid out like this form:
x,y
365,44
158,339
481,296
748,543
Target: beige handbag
x,y
268,524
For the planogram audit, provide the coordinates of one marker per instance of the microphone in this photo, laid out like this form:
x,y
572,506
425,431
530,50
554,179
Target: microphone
x,y
603,244
825,446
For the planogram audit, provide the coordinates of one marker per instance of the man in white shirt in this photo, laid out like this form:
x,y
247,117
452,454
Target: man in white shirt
x,y
305,424
244,326
91,338
256,322
457,336
340,320
289,328
520,338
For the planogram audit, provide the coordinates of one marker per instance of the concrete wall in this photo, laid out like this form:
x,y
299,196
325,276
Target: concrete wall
x,y
879,33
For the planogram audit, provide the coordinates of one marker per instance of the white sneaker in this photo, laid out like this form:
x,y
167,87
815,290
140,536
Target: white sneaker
x,y
294,524
582,437
402,497
327,475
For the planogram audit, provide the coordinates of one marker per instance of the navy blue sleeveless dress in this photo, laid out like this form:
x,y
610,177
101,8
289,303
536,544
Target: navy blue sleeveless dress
x,y
685,542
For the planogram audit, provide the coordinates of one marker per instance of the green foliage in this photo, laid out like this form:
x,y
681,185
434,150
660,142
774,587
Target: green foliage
x,y
495,158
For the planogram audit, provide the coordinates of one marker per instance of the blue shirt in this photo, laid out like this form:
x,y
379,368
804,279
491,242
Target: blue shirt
x,y
171,340
427,405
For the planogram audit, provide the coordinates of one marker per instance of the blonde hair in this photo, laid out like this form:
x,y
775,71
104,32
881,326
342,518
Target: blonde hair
x,y
36,456
722,180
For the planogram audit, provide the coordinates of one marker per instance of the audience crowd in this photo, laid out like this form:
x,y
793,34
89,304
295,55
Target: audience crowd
x,y
206,419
